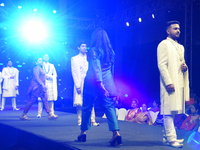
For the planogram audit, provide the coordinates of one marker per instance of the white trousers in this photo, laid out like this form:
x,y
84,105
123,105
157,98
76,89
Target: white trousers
x,y
169,129
79,114
13,99
40,107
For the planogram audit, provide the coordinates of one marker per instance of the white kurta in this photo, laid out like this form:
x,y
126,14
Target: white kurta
x,y
170,55
79,67
0,83
8,83
51,83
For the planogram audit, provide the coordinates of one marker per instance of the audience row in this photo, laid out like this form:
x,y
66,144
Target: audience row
x,y
189,121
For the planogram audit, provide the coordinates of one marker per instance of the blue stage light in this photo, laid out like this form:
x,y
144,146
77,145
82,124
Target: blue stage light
x,y
153,16
35,9
2,4
126,95
140,19
54,11
34,31
20,7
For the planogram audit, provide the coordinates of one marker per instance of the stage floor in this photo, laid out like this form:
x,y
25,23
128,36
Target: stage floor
x,y
44,134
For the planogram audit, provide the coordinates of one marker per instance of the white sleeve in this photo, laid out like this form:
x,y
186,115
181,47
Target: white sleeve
x,y
75,68
162,57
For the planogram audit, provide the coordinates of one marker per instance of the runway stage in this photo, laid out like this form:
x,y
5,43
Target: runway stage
x,y
60,134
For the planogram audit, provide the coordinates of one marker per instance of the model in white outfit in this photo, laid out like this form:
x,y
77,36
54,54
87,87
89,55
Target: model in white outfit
x,y
174,83
10,77
0,88
51,84
79,66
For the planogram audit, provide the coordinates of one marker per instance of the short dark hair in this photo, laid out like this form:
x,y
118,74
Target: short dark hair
x,y
79,43
169,23
136,100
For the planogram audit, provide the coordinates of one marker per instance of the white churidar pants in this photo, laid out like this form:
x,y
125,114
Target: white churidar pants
x,y
79,114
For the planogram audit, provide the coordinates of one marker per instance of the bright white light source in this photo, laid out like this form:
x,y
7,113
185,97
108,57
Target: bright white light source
x,y
54,11
127,24
20,7
2,4
153,16
35,9
140,20
35,31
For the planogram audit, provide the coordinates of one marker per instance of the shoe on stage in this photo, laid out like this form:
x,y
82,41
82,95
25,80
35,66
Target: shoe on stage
x,y
39,116
176,144
79,124
95,124
82,138
16,108
52,117
178,140
24,118
1,109
116,140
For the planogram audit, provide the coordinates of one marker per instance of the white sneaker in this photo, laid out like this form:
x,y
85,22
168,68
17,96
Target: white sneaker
x,y
79,124
95,124
1,109
177,140
176,144
39,116
180,140
16,108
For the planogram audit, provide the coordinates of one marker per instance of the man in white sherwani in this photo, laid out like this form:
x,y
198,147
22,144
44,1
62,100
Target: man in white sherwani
x,y
174,84
51,84
10,77
79,67
0,88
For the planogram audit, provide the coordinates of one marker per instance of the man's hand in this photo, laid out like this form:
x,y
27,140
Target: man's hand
x,y
78,90
44,87
47,77
12,77
170,88
183,67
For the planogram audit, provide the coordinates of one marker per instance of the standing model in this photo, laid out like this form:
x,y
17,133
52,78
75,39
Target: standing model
x,y
174,84
37,89
51,84
10,76
79,66
0,88
99,83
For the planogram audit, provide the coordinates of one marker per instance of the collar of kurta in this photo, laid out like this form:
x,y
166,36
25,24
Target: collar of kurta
x,y
172,40
83,56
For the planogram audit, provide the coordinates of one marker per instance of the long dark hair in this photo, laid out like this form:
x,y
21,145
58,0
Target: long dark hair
x,y
100,40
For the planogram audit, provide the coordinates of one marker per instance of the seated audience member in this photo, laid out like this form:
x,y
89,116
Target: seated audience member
x,y
154,111
159,120
155,107
143,116
179,118
191,121
132,113
188,106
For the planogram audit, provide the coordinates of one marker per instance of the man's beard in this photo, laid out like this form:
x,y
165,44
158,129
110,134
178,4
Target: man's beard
x,y
175,37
